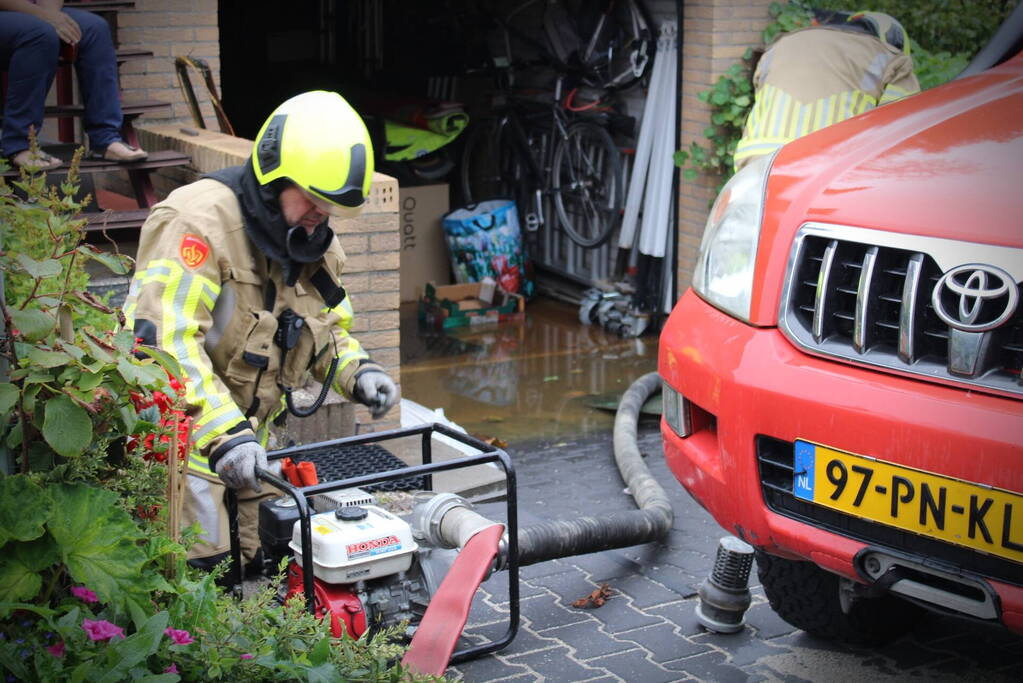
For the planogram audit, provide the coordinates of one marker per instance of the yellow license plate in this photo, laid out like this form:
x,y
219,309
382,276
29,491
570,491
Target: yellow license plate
x,y
970,515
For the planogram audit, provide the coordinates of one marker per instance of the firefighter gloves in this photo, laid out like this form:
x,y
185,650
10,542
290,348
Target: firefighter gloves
x,y
377,391
237,467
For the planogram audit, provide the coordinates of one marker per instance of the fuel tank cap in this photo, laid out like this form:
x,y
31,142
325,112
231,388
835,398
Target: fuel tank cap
x,y
351,513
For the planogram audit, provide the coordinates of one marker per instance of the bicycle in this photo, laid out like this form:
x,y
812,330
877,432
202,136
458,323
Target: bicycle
x,y
532,152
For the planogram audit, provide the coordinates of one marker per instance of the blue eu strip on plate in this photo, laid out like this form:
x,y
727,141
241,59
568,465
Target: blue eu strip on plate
x,y
803,474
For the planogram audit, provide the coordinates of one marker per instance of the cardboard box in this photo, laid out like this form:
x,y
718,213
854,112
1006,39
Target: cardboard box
x,y
444,307
424,253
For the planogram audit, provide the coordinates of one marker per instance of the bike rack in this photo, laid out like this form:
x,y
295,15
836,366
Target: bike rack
x,y
488,454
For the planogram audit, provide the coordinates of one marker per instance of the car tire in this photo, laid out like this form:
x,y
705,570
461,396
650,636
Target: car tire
x,y
809,598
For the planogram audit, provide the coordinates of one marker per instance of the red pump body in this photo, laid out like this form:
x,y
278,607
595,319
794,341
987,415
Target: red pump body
x,y
347,615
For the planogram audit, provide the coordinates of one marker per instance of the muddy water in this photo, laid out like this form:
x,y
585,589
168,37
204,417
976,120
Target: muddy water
x,y
537,379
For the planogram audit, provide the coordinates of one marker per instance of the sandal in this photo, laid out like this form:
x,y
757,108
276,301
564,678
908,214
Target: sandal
x,y
35,160
120,152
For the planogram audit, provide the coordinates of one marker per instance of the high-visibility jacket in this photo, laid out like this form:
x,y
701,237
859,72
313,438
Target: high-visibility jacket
x,y
818,76
203,292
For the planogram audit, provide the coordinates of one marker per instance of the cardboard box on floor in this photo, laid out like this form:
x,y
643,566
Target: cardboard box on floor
x,y
424,253
472,303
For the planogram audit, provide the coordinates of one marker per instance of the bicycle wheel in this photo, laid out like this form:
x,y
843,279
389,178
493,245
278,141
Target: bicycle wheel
x,y
488,163
587,184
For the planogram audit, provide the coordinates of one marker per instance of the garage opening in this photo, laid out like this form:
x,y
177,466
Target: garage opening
x,y
472,107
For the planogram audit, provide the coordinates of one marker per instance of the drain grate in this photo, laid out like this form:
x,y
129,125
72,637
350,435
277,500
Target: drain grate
x,y
336,463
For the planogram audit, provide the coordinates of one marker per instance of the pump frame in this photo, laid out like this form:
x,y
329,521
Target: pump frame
x,y
300,494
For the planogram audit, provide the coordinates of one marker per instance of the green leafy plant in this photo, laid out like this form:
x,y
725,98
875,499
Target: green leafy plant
x,y
202,635
93,584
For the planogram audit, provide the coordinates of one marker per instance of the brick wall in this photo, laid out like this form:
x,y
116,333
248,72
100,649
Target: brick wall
x,y
715,35
168,29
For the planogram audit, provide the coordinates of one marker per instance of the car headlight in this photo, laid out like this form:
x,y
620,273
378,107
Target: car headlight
x,y
728,252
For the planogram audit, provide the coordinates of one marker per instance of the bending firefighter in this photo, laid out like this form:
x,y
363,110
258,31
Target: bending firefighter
x,y
841,66
239,278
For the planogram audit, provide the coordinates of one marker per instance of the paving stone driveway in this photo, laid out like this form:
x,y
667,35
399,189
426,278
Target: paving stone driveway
x,y
647,631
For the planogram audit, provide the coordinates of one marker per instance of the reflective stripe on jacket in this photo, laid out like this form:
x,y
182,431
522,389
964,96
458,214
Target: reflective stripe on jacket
x,y
200,293
818,76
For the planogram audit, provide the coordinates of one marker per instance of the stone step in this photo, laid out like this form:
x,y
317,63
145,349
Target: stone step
x,y
129,109
157,159
100,5
125,54
116,220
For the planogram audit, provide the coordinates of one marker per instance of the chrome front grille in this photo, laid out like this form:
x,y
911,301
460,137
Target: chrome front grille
x,y
866,296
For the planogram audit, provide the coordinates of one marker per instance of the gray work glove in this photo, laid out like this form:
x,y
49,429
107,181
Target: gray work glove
x,y
237,467
375,390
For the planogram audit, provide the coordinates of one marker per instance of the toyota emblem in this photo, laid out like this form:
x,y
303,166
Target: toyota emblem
x,y
975,297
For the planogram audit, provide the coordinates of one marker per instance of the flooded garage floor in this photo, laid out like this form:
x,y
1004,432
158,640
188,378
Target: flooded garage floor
x,y
541,378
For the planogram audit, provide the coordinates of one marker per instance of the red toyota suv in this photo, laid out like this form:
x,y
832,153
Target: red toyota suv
x,y
842,382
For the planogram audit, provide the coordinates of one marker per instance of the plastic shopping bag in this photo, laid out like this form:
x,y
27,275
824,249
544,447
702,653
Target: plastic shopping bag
x,y
484,240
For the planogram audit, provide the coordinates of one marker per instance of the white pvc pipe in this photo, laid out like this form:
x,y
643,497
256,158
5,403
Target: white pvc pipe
x,y
644,145
655,230
666,158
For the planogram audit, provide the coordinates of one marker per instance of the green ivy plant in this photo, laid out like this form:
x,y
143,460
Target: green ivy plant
x,y
92,586
731,100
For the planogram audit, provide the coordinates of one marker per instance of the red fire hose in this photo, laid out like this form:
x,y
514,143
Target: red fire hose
x,y
442,624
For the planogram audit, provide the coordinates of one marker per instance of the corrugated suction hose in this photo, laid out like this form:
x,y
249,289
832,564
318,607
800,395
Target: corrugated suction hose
x,y
650,522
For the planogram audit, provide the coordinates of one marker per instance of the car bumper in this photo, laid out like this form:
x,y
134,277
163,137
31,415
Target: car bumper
x,y
749,384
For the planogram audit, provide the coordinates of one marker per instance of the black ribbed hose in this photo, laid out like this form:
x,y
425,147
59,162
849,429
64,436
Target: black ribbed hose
x,y
653,519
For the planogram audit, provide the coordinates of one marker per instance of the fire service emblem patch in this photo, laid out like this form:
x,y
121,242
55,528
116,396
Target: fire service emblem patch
x,y
193,250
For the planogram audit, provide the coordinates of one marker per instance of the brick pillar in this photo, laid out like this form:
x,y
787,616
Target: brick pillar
x,y
372,245
715,35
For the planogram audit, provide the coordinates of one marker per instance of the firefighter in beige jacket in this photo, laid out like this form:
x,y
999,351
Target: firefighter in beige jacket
x,y
842,66
239,278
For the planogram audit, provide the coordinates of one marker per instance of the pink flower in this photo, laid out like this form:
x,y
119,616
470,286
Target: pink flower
x,y
102,629
172,669
179,636
84,594
56,650
245,656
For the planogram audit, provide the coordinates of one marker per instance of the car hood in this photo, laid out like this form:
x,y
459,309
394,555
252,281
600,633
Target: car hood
x,y
947,162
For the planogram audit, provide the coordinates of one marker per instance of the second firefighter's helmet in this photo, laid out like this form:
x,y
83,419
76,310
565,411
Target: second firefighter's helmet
x,y
886,27
317,141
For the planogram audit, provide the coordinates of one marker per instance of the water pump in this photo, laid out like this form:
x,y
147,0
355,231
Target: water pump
x,y
369,570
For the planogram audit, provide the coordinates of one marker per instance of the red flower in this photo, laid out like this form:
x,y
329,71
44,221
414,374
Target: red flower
x,y
147,511
56,650
102,629
84,594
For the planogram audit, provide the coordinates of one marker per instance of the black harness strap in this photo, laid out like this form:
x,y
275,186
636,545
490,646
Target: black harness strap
x,y
331,292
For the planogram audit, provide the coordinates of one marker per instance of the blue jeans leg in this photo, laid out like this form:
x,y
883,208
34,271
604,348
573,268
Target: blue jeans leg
x,y
96,67
29,48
